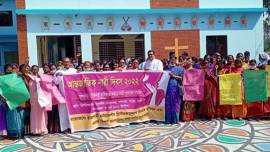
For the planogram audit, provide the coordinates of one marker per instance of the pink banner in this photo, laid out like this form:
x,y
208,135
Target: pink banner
x,y
193,85
109,99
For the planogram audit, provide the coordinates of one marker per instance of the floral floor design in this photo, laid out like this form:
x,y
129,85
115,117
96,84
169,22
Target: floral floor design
x,y
196,136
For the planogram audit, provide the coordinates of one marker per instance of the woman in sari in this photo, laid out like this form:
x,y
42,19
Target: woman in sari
x,y
254,109
224,111
53,124
24,70
230,65
173,98
263,63
210,62
15,119
241,57
3,127
3,106
208,105
38,115
239,111
189,107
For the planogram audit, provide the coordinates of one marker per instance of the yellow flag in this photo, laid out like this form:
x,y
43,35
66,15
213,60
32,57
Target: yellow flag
x,y
267,68
230,86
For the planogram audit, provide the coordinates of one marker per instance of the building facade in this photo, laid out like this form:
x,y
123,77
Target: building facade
x,y
8,33
101,29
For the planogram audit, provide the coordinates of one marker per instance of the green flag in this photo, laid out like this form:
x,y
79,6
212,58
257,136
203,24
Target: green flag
x,y
13,88
255,85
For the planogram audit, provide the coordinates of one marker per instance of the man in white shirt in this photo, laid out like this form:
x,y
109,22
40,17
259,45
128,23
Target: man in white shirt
x,y
58,80
151,63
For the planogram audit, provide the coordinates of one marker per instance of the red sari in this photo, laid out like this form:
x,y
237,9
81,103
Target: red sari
x,y
266,108
255,109
208,105
223,111
265,105
189,109
239,111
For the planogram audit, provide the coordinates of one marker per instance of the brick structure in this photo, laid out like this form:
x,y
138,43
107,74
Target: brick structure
x,y
22,38
174,3
20,4
22,33
162,39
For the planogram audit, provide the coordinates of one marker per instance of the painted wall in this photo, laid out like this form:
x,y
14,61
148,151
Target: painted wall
x,y
88,4
231,3
252,33
56,22
234,32
8,5
239,41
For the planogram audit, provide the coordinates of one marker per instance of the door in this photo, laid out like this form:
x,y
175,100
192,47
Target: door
x,y
217,44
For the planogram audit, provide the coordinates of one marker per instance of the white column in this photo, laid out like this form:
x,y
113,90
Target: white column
x,y
32,49
202,44
147,42
87,52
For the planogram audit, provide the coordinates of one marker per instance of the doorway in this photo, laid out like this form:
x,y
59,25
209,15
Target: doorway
x,y
115,47
52,49
217,44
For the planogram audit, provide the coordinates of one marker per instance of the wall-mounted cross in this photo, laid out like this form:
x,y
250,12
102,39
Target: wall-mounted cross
x,y
177,48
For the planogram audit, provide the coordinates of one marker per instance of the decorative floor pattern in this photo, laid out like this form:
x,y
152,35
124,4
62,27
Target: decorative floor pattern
x,y
197,136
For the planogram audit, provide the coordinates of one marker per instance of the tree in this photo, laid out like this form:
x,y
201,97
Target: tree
x,y
266,23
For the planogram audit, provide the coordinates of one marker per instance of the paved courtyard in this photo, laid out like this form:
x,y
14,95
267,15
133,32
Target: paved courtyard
x,y
197,136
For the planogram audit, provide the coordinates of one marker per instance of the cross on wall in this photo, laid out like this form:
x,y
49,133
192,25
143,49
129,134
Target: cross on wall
x,y
177,48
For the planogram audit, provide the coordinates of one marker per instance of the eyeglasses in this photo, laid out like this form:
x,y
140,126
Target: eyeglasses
x,y
150,54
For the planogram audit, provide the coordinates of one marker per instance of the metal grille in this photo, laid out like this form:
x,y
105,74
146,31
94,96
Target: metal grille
x,y
43,52
139,49
77,48
111,50
77,42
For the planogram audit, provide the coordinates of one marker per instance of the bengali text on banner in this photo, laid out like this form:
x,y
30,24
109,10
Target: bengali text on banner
x,y
230,87
108,99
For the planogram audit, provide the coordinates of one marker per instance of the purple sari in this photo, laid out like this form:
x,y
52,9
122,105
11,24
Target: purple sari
x,y
3,126
174,97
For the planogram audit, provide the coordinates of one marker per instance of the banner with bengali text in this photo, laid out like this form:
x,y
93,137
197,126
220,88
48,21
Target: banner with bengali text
x,y
193,83
230,89
267,68
109,99
255,85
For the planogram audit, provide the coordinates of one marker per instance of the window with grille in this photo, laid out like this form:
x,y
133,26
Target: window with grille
x,y
111,50
6,18
111,47
139,46
115,47
11,57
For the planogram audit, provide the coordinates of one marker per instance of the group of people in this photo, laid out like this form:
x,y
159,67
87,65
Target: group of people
x,y
210,107
31,118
